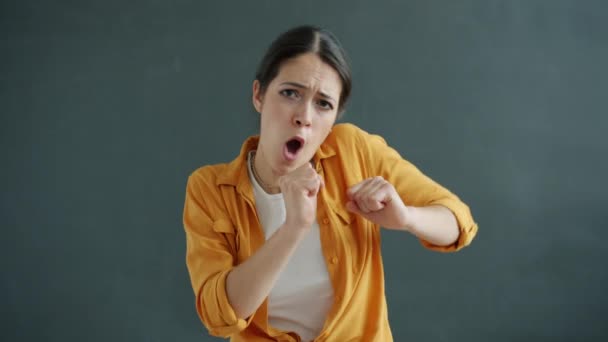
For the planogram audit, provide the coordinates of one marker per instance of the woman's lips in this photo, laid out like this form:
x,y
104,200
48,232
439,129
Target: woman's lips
x,y
288,155
292,148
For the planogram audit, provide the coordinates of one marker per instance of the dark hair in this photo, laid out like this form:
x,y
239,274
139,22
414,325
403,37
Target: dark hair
x,y
306,39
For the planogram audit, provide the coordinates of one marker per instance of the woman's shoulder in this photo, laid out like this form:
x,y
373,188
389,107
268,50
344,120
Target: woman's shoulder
x,y
345,141
227,173
207,175
349,136
346,129
345,133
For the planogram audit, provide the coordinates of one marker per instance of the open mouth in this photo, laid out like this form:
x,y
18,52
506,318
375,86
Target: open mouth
x,y
292,147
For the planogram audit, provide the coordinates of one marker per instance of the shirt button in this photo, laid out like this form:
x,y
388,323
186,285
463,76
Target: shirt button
x,y
326,221
334,260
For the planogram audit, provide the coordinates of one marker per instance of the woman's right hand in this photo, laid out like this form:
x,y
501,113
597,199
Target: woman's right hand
x,y
249,283
300,188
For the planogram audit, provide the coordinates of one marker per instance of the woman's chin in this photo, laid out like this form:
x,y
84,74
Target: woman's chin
x,y
282,169
283,166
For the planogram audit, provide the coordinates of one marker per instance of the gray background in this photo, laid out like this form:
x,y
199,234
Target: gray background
x,y
107,106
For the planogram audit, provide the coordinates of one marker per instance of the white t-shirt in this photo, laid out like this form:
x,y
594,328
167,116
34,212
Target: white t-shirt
x,y
303,294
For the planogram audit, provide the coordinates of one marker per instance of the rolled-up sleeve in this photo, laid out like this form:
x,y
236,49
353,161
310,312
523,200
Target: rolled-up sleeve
x,y
209,258
417,189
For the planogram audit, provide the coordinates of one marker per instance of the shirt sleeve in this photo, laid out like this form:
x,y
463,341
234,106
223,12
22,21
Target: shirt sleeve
x,y
209,258
416,189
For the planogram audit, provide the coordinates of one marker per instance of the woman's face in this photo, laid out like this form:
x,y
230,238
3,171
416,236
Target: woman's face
x,y
298,110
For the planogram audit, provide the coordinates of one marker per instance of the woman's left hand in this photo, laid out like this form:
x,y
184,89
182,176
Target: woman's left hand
x,y
378,201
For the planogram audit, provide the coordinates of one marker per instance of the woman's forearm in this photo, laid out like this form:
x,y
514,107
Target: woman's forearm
x,y
249,283
435,224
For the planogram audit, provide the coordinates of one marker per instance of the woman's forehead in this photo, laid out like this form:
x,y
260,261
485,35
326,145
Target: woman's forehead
x,y
310,71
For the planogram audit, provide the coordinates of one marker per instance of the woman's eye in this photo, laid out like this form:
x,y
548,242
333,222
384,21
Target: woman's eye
x,y
325,104
289,93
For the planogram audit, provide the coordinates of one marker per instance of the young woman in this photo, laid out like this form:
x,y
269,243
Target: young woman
x,y
283,243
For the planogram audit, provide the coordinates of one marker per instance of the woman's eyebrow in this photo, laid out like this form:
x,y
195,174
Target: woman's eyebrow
x,y
301,86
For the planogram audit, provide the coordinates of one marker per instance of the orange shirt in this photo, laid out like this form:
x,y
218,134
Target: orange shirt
x,y
222,231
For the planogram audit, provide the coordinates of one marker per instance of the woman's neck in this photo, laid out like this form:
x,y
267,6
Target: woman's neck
x,y
263,175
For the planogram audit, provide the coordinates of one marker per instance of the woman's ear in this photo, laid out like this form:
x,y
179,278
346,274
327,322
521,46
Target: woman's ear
x,y
258,97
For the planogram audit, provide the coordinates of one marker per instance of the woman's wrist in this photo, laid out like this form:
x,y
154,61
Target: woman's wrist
x,y
411,219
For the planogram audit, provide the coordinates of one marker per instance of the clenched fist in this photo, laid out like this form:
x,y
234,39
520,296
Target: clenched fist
x,y
378,201
300,188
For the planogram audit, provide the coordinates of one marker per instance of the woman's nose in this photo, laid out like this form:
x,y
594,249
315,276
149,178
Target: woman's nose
x,y
303,117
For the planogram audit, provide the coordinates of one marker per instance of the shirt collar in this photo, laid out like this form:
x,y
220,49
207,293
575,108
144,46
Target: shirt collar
x,y
236,174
